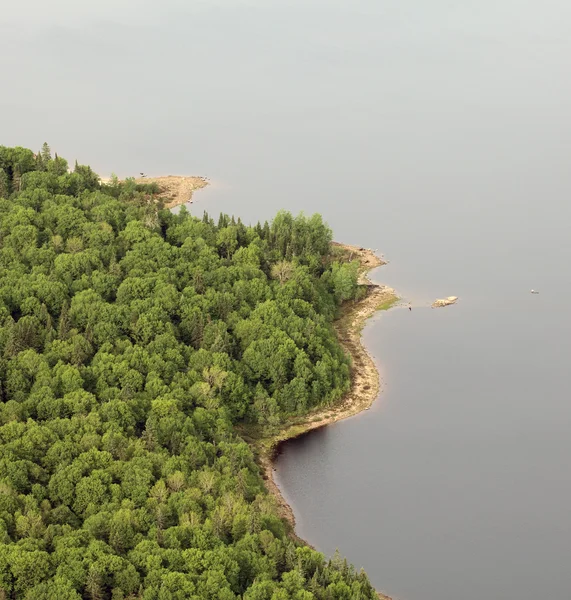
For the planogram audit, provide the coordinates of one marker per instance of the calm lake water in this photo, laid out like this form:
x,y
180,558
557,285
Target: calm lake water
x,y
437,132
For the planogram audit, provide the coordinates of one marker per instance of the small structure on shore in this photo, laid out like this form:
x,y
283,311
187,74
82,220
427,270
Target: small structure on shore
x,y
444,301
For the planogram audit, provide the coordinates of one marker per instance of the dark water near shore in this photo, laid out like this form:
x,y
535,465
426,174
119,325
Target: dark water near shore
x,y
437,132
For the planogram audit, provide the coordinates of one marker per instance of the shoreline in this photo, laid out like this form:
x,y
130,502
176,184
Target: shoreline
x,y
175,190
365,379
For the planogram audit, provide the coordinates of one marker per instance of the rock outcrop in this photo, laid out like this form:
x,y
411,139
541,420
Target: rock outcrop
x,y
444,301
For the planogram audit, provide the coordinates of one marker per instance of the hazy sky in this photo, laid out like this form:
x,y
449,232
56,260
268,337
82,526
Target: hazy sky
x,y
206,84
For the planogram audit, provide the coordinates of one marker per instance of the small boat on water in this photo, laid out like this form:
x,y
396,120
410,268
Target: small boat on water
x,y
534,292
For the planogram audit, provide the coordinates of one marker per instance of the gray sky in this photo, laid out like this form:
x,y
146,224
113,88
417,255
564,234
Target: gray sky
x,y
202,85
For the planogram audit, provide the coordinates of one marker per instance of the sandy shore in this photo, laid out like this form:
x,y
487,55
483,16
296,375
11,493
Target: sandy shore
x,y
175,189
365,383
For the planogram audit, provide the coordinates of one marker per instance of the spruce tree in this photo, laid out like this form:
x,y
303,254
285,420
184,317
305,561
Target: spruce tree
x,y
4,184
39,161
46,153
64,321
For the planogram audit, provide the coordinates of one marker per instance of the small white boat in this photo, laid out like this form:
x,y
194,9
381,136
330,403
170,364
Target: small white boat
x,y
534,292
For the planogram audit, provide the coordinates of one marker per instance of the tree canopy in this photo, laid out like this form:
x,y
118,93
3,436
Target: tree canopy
x,y
132,341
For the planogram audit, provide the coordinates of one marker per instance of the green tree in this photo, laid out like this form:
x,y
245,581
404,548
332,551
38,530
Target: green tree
x,y
46,154
4,184
344,277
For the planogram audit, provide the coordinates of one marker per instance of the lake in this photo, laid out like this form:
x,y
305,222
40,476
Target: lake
x,y
438,133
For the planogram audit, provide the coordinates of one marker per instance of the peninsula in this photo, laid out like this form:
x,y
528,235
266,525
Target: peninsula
x,y
136,345
175,190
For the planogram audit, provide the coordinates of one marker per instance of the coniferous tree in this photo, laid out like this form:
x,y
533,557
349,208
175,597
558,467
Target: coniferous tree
x,y
46,154
4,184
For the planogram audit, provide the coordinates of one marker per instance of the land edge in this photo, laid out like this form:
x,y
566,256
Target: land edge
x,y
365,379
174,189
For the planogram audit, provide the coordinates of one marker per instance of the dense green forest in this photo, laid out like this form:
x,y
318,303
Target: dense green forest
x,y
132,342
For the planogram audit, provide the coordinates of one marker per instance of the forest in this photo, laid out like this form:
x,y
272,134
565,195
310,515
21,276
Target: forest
x,y
133,341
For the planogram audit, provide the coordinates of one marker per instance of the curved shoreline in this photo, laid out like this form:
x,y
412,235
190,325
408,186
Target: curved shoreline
x,y
365,381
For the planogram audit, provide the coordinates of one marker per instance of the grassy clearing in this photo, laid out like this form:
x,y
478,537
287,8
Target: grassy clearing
x,y
388,303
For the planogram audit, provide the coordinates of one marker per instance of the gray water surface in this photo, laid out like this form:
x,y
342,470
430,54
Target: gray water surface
x,y
438,132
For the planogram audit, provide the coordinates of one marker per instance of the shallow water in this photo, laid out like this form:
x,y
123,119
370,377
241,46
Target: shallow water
x,y
436,132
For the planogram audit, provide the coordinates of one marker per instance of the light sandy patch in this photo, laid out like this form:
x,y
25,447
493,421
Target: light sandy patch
x,y
175,189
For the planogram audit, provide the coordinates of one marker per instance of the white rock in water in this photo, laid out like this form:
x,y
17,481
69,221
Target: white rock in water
x,y
444,301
